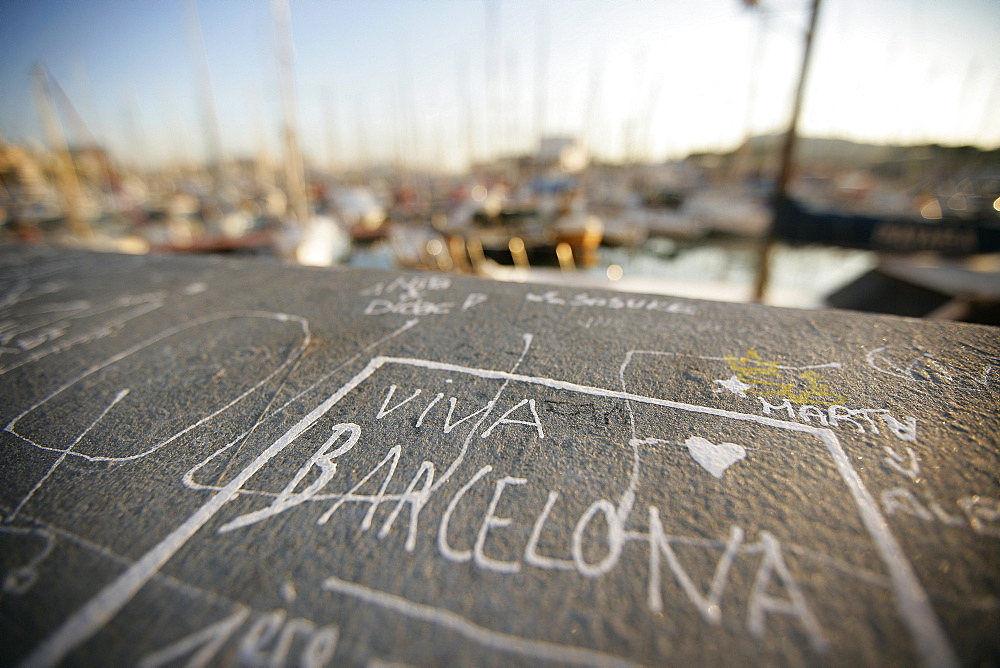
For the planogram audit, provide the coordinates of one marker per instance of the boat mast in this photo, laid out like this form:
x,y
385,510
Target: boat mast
x,y
69,185
294,169
209,117
541,72
787,153
742,158
329,126
464,92
494,97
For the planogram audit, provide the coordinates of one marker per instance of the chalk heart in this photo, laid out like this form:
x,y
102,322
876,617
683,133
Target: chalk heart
x,y
714,458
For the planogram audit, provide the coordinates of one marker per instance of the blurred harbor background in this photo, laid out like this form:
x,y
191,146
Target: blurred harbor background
x,y
850,147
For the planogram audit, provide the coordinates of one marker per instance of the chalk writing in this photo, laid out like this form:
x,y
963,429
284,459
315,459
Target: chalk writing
x,y
762,601
30,336
407,296
838,416
408,287
983,514
473,299
921,366
417,307
765,378
943,653
615,534
554,297
267,640
599,322
909,466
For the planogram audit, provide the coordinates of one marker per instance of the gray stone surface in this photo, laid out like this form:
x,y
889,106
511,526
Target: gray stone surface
x,y
220,461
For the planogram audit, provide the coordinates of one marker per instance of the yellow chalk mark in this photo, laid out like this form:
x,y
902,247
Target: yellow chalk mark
x,y
766,378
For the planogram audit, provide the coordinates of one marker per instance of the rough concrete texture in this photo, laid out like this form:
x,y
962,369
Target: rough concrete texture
x,y
220,461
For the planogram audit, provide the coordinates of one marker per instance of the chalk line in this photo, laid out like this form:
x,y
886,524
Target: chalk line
x,y
118,397
51,532
504,642
716,358
99,610
280,317
188,478
81,338
912,601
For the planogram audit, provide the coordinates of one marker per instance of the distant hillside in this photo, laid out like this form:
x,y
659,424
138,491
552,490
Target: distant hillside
x,y
761,153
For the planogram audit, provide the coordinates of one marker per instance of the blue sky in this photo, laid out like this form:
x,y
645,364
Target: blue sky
x,y
440,81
